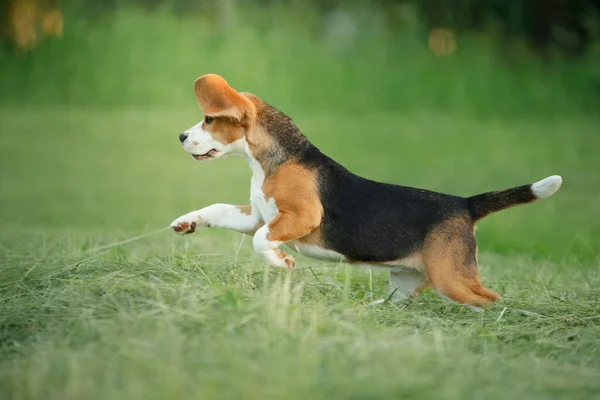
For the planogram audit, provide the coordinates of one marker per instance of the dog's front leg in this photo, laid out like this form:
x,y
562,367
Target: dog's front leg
x,y
283,228
238,218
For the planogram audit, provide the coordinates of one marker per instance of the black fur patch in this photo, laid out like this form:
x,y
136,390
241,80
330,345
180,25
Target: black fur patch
x,y
370,221
484,204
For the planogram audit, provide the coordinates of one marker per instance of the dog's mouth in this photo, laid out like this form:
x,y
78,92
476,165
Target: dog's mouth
x,y
209,154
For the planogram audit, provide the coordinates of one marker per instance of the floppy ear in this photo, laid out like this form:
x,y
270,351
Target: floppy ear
x,y
216,98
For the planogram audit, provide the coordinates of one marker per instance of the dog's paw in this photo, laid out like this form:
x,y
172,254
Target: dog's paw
x,y
186,223
282,260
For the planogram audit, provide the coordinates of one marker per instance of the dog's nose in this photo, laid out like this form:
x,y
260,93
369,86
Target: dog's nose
x,y
183,136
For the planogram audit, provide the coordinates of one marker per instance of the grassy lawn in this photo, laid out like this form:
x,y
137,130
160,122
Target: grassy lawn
x,y
202,317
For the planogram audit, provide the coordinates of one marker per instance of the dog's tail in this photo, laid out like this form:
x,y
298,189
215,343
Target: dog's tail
x,y
484,204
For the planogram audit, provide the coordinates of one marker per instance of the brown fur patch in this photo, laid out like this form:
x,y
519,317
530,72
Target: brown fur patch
x,y
224,129
314,238
217,99
294,189
274,138
247,209
233,115
262,148
449,256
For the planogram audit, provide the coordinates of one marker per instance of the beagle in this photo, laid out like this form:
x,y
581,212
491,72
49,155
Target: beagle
x,y
303,199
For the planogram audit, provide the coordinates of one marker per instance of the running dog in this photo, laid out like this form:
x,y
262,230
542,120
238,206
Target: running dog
x,y
303,199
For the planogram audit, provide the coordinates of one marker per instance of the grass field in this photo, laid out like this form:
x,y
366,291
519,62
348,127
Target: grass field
x,y
202,317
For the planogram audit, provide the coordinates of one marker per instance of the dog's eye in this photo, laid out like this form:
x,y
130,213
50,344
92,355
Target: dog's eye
x,y
208,120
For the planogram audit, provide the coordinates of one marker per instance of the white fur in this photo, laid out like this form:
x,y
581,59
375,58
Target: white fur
x,y
314,251
405,281
267,248
188,219
200,142
546,187
266,209
403,284
229,217
220,216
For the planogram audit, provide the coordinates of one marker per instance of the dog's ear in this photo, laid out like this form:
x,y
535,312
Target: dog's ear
x,y
217,99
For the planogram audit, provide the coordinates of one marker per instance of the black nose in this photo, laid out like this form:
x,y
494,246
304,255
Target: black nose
x,y
183,136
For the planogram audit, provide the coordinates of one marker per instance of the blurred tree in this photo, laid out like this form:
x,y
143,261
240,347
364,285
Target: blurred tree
x,y
26,22
547,26
92,10
559,24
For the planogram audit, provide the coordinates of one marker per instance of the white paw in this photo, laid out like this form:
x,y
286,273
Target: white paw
x,y
280,259
186,223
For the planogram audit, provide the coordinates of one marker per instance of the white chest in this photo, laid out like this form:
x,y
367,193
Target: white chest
x,y
267,209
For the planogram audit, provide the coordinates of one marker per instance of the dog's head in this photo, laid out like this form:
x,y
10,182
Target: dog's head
x,y
228,117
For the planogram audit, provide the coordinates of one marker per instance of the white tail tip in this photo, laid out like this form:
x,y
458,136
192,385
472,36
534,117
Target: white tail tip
x,y
546,187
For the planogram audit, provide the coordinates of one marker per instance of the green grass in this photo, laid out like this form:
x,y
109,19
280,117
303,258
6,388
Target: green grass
x,y
202,317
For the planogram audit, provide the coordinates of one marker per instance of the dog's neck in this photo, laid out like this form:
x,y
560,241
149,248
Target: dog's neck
x,y
280,141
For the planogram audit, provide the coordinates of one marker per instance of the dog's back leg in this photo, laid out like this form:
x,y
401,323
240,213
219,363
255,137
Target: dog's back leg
x,y
450,262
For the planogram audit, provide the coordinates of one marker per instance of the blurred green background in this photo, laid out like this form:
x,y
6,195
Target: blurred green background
x,y
460,96
486,58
